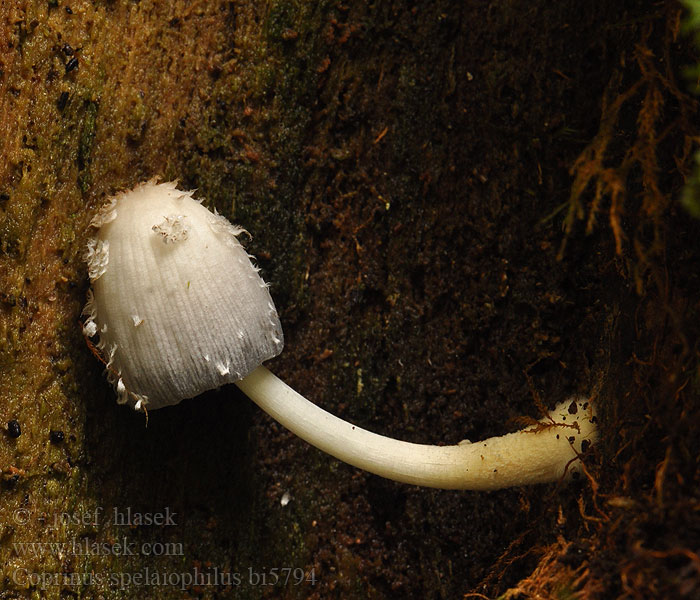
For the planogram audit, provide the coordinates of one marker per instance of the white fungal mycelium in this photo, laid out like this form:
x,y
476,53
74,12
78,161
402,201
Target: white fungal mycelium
x,y
180,309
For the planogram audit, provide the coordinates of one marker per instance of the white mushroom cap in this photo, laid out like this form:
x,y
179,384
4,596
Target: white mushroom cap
x,y
166,275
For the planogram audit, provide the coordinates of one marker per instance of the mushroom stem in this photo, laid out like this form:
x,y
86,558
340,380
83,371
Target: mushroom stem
x,y
536,454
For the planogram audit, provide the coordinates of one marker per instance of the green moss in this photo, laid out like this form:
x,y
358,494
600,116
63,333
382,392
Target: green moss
x,y
690,198
87,137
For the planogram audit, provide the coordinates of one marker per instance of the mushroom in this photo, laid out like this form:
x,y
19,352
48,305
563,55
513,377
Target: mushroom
x,y
177,303
179,309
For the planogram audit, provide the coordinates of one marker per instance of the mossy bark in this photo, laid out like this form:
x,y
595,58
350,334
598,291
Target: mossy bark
x,y
429,189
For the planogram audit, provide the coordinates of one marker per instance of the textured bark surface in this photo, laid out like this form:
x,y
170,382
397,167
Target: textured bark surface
x,y
466,211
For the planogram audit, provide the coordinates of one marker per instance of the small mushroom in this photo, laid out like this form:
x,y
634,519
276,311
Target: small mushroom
x,y
179,309
177,303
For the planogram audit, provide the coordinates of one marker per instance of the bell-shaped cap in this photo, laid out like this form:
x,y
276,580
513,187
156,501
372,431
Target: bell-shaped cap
x,y
178,306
